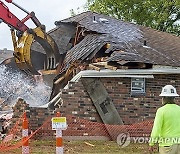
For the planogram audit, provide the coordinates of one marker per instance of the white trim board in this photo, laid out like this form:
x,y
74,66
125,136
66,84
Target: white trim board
x,y
139,73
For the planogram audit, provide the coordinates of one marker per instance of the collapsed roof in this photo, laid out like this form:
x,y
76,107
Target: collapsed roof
x,y
98,41
130,42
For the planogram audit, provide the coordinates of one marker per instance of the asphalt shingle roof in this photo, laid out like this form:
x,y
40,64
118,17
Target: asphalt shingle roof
x,y
138,43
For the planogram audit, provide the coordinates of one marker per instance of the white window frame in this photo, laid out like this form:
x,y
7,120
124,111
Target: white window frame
x,y
134,90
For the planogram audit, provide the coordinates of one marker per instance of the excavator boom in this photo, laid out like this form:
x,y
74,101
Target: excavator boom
x,y
24,37
10,19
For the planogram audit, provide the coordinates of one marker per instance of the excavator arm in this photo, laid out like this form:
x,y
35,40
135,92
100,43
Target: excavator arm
x,y
10,19
22,48
23,37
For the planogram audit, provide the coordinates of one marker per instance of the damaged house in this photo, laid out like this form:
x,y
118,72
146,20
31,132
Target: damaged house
x,y
111,71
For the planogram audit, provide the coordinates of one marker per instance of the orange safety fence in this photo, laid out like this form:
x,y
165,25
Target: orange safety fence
x,y
11,140
77,128
6,143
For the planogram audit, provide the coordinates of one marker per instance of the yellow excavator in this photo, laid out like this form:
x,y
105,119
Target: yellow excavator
x,y
23,37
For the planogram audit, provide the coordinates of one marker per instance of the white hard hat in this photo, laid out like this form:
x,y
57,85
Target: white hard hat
x,y
169,91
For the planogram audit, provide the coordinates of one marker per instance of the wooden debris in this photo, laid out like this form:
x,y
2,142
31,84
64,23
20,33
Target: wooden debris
x,y
105,65
60,79
111,67
46,72
94,67
68,72
100,63
92,145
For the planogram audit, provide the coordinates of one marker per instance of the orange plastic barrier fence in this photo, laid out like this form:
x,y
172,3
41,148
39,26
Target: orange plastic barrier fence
x,y
77,127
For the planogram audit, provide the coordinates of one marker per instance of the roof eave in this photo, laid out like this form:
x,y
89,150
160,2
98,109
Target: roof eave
x,y
145,73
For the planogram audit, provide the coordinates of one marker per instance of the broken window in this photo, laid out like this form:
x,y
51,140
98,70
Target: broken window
x,y
137,85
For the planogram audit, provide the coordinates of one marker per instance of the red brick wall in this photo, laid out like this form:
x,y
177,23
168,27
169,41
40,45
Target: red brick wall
x,y
137,108
76,102
36,116
132,109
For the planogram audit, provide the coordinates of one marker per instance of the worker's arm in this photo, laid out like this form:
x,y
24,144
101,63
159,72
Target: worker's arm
x,y
157,127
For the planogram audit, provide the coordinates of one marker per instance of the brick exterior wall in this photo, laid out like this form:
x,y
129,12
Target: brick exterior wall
x,y
132,109
76,102
36,116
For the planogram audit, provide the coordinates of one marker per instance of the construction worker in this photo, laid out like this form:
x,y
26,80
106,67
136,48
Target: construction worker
x,y
166,128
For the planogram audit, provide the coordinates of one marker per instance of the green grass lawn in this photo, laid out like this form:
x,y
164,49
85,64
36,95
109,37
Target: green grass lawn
x,y
83,147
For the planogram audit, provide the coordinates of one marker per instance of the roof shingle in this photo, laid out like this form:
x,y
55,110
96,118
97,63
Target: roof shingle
x,y
146,44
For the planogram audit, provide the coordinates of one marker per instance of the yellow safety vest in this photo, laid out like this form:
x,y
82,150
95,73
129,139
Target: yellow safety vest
x,y
166,128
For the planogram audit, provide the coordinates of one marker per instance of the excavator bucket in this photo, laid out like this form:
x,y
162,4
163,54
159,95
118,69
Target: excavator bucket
x,y
22,48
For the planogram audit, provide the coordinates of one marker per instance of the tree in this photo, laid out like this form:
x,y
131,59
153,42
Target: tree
x,y
163,15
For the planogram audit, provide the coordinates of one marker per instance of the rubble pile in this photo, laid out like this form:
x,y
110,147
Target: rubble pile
x,y
14,85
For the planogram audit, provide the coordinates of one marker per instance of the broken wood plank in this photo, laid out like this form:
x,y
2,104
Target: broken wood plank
x,y
46,72
60,79
92,145
100,63
67,74
94,67
111,67
105,65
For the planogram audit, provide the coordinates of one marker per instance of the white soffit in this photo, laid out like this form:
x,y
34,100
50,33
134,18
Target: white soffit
x,y
107,74
139,73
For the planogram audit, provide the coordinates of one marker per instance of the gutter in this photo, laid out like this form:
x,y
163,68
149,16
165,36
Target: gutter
x,y
137,73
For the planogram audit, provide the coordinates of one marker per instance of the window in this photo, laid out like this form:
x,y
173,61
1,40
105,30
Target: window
x,y
137,86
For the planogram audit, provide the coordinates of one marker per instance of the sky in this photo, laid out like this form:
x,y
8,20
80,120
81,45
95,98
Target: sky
x,y
47,11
